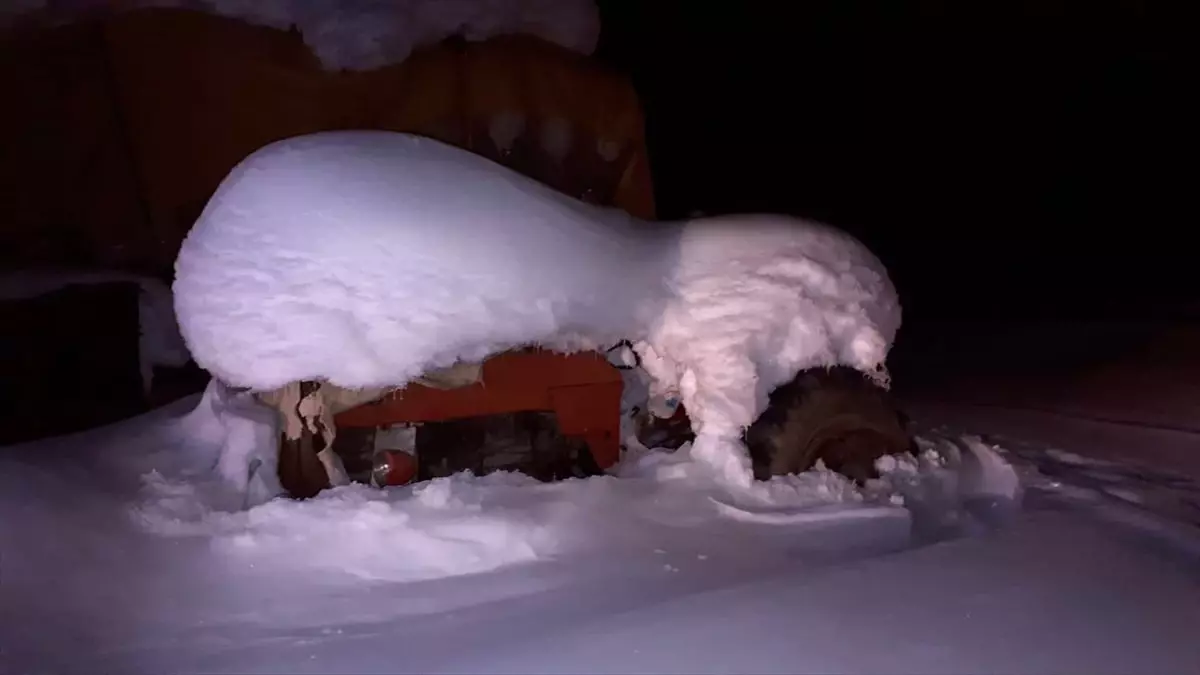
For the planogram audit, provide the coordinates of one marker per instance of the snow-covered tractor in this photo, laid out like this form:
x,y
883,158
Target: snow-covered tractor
x,y
372,259
468,261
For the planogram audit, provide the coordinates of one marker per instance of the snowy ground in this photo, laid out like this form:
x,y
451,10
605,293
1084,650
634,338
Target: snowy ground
x,y
120,554
1124,391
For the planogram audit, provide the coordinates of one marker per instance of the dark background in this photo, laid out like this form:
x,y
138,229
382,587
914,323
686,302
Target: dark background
x,y
1024,160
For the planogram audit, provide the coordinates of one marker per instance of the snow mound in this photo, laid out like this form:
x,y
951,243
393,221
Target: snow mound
x,y
366,258
433,530
367,34
241,436
754,300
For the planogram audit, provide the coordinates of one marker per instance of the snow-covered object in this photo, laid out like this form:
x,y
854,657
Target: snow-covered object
x,y
365,34
246,435
365,258
159,343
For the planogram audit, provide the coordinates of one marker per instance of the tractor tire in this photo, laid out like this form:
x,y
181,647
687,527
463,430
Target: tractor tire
x,y
836,415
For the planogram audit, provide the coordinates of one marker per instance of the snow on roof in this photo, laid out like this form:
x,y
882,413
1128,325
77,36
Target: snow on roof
x,y
366,34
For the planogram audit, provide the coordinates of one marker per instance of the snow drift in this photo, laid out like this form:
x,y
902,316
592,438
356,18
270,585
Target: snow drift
x,y
365,258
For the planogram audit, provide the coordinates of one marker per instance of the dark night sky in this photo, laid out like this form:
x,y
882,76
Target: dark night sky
x,y
1025,161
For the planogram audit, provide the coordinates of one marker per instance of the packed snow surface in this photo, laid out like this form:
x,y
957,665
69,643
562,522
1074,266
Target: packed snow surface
x,y
125,550
366,34
365,258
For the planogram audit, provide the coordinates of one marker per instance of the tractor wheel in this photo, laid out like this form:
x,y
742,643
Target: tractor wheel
x,y
836,415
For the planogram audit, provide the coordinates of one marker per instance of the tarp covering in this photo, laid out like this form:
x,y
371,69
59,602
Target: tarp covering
x,y
121,128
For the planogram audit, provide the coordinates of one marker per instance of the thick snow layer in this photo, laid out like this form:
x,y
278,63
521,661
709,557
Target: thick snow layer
x,y
159,343
123,552
753,300
366,34
367,257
